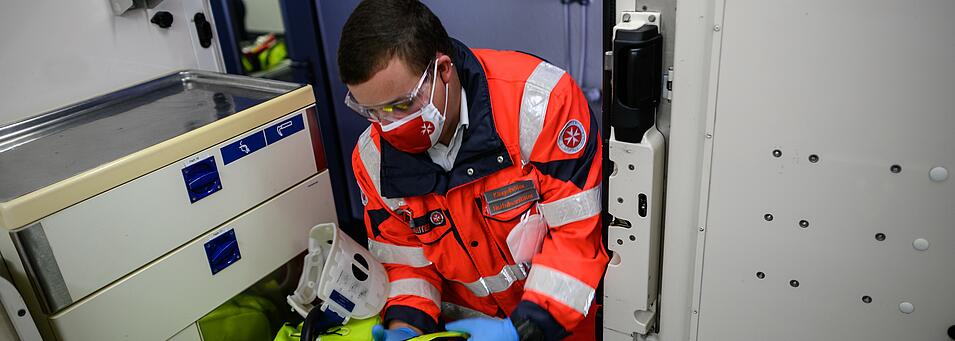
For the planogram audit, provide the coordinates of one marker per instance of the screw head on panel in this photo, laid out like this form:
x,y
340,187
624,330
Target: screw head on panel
x,y
716,28
866,299
626,17
652,18
768,217
804,223
896,169
760,275
880,236
777,153
813,158
920,244
794,283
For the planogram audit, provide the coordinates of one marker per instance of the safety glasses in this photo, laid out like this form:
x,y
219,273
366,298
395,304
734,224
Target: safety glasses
x,y
396,109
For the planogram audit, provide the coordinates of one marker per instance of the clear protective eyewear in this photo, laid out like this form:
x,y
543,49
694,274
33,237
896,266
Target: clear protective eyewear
x,y
396,109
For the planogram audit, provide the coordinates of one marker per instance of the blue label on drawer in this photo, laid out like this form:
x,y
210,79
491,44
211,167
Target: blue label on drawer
x,y
284,128
245,146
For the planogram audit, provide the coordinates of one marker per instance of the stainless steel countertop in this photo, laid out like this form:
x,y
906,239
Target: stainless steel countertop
x,y
54,146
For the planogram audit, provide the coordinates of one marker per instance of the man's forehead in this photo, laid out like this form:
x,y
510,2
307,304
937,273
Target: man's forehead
x,y
391,82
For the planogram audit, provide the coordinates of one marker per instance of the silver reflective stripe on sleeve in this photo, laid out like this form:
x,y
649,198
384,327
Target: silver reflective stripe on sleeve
x,y
453,312
415,287
561,287
534,105
394,254
498,283
371,157
573,208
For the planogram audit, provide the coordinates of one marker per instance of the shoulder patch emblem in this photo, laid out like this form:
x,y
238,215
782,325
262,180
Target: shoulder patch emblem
x,y
572,137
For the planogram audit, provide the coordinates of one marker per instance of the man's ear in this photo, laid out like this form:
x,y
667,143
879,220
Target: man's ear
x,y
445,67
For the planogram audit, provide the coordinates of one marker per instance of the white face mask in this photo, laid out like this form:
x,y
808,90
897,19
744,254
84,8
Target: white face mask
x,y
417,132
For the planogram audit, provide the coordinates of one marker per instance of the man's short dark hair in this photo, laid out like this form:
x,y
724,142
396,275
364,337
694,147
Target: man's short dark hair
x,y
379,30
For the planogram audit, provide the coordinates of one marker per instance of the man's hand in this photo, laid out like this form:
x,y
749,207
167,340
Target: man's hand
x,y
485,329
397,331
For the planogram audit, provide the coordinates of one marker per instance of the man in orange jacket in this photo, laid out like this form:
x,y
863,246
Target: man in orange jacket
x,y
480,176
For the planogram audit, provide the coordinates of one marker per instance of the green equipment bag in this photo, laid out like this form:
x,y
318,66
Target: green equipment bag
x,y
354,330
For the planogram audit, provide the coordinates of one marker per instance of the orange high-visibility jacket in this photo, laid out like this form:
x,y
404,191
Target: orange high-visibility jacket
x,y
532,145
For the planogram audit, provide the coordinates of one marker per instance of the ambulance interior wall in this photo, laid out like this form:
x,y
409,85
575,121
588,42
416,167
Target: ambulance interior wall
x,y
59,52
533,26
263,16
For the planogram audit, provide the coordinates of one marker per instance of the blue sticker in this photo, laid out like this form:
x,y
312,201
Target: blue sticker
x,y
284,129
343,301
245,146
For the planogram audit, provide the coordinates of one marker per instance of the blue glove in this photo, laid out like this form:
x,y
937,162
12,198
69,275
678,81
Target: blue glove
x,y
485,329
379,333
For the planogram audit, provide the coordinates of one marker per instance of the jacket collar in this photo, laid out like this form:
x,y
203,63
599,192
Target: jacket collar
x,y
407,175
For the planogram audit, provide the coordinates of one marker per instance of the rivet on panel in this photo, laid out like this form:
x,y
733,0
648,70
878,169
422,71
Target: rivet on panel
x,y
760,275
938,174
794,283
880,236
619,241
813,158
804,223
708,135
768,217
866,299
716,28
906,307
895,169
626,17
777,153
652,18
470,171
920,244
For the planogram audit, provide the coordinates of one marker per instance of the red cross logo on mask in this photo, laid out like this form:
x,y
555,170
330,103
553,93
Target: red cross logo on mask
x,y
427,128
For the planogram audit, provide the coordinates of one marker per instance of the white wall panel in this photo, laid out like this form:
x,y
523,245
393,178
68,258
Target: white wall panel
x,y
863,85
60,52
